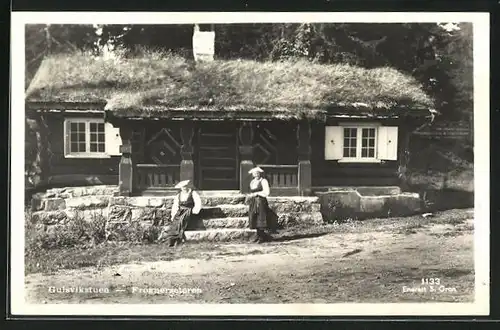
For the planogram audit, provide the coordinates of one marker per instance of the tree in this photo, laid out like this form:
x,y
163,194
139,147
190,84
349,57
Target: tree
x,y
43,39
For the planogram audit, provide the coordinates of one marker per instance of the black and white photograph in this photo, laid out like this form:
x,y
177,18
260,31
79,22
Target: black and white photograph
x,y
250,163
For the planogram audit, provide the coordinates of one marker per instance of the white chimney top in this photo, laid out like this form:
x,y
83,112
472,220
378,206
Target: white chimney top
x,y
203,44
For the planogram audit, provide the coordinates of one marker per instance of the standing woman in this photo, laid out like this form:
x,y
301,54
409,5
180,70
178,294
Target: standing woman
x,y
257,202
187,204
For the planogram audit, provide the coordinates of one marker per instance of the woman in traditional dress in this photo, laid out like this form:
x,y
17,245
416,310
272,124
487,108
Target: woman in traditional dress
x,y
187,204
258,206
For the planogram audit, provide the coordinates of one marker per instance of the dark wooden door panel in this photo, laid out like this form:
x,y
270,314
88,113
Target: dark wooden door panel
x,y
217,156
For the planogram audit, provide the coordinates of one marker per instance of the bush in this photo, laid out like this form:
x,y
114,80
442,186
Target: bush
x,y
77,231
134,232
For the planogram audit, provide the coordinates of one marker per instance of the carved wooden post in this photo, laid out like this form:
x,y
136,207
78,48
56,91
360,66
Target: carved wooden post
x,y
126,168
404,153
304,155
187,164
246,133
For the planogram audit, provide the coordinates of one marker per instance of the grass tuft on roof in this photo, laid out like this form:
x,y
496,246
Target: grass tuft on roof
x,y
155,82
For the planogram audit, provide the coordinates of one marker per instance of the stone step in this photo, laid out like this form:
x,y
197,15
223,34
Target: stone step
x,y
211,201
216,223
219,235
224,210
240,209
284,220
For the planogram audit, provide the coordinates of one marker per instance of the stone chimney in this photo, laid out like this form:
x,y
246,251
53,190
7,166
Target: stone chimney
x,y
203,44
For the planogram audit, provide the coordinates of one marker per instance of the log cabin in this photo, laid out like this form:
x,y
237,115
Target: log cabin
x,y
146,122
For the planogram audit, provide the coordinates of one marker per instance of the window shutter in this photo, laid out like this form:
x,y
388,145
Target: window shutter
x,y
113,139
333,142
387,143
66,137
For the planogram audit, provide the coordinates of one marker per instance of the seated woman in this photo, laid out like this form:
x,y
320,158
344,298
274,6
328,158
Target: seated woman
x,y
186,205
258,207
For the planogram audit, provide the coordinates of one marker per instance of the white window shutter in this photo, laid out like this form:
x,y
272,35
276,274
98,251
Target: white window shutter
x,y
67,126
387,143
113,140
333,142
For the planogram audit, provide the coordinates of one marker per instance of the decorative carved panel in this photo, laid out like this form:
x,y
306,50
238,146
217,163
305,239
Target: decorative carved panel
x,y
164,147
265,146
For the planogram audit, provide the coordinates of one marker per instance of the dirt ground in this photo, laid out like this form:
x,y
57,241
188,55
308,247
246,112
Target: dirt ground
x,y
382,265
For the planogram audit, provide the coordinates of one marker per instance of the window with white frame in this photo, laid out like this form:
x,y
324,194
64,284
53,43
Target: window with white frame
x,y
90,138
359,142
362,143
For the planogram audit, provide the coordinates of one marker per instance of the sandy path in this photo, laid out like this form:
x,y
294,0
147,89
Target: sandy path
x,y
314,270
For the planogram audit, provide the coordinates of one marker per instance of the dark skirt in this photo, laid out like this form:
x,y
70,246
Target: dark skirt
x,y
179,224
258,210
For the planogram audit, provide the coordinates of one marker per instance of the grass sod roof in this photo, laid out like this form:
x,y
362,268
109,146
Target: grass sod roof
x,y
155,85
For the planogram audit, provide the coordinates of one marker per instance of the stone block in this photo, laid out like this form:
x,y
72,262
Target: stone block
x,y
373,204
378,191
221,211
232,222
138,201
294,206
117,200
79,191
219,200
54,204
404,204
143,214
49,217
87,215
87,202
219,235
118,213
37,204
156,201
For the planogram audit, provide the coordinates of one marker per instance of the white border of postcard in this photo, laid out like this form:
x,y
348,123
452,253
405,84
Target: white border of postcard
x,y
481,167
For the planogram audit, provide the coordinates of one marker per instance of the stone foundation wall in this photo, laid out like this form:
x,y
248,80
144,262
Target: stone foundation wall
x,y
124,216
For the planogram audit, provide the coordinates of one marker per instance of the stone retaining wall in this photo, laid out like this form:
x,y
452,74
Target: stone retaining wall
x,y
126,215
123,215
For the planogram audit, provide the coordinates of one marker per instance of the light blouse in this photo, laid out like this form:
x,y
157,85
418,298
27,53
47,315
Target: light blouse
x,y
183,197
265,187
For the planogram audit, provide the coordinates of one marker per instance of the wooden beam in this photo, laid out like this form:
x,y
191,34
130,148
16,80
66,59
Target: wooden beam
x,y
125,168
187,164
304,154
246,136
406,128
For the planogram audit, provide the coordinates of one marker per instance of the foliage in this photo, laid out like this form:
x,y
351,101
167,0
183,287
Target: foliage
x,y
76,231
440,59
32,170
42,40
134,232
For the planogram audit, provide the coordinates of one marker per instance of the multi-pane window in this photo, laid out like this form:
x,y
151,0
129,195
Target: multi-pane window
x,y
359,142
78,139
96,132
85,137
350,136
368,143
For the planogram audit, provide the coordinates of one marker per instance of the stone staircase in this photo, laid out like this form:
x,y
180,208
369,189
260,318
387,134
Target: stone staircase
x,y
224,216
